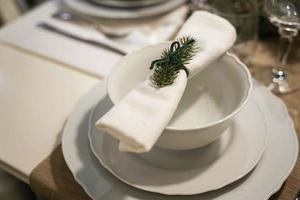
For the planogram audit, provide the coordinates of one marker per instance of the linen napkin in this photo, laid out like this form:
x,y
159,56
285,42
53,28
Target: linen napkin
x,y
140,117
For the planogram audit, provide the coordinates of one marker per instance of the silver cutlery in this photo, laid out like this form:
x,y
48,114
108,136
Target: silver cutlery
x,y
67,16
106,44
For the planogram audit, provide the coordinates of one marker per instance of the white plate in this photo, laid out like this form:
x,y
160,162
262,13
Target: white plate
x,y
88,8
128,3
185,172
266,178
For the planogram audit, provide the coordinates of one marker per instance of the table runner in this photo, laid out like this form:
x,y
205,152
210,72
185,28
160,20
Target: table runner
x,y
53,180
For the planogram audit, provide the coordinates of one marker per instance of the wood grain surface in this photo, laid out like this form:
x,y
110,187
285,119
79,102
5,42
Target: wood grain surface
x,y
53,180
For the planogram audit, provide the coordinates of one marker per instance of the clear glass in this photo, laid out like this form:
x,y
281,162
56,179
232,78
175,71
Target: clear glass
x,y
284,14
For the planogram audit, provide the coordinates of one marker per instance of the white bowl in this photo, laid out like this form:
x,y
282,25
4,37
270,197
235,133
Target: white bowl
x,y
208,106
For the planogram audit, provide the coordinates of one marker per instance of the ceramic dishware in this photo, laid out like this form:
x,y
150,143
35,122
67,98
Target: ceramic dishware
x,y
128,3
185,172
211,100
263,181
88,8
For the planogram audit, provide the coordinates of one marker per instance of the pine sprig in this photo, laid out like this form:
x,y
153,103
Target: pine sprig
x,y
172,60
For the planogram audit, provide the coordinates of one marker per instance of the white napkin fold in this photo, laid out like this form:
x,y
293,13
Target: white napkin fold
x,y
146,110
140,117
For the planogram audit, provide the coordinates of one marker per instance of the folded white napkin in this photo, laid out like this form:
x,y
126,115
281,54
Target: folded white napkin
x,y
141,116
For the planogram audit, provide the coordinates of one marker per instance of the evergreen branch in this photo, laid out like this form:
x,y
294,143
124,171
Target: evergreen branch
x,y
173,59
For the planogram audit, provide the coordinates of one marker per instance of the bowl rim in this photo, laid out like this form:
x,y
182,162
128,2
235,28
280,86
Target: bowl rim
x,y
214,123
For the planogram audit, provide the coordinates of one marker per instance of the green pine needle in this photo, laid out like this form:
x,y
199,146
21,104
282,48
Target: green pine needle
x,y
173,59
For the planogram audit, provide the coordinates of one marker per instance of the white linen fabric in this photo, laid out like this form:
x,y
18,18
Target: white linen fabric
x,y
214,34
140,117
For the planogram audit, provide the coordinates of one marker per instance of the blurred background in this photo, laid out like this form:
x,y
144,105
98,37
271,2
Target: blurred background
x,y
11,9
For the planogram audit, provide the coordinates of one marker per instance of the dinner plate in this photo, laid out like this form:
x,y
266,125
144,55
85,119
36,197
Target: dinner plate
x,y
128,3
196,171
91,9
264,180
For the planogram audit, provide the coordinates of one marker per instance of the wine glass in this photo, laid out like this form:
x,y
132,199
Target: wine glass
x,y
284,14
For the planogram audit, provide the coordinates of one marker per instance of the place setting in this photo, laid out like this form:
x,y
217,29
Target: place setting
x,y
126,9
150,99
118,25
181,119
87,30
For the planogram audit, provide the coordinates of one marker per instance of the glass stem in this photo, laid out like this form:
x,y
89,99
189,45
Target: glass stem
x,y
285,49
285,46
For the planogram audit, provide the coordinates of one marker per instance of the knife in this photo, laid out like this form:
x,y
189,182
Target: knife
x,y
106,45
